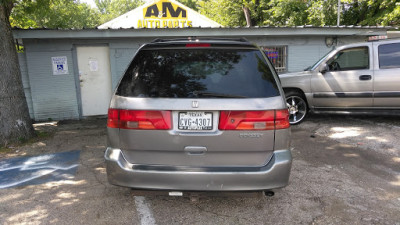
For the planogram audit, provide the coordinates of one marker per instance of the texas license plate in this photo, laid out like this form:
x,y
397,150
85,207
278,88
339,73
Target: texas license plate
x,y
195,121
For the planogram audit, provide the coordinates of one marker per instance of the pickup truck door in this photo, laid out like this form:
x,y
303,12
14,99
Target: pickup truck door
x,y
346,81
387,74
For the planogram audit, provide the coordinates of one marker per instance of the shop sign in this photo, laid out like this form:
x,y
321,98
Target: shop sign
x,y
164,14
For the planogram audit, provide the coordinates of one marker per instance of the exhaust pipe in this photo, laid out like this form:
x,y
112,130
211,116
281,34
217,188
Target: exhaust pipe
x,y
269,193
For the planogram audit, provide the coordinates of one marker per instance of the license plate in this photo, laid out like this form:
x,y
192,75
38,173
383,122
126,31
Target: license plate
x,y
195,121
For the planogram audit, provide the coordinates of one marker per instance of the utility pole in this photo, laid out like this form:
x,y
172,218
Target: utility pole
x,y
338,13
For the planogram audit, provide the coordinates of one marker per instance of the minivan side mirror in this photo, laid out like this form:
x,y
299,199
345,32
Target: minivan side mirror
x,y
324,68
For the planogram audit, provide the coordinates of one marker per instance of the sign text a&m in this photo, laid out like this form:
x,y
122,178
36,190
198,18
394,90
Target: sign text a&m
x,y
164,14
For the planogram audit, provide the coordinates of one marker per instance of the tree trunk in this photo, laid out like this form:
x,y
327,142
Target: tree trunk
x,y
247,15
15,123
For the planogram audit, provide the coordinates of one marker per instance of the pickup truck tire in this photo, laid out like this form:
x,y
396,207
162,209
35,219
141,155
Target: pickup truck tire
x,y
297,106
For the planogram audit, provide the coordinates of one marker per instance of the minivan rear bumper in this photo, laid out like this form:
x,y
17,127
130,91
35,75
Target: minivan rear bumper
x,y
275,174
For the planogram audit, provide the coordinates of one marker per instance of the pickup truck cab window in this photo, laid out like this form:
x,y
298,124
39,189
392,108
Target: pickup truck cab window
x,y
389,56
350,59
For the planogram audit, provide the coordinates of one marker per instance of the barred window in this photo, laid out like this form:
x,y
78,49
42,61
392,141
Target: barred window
x,y
278,57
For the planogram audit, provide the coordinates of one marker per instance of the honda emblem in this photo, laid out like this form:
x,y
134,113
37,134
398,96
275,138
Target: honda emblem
x,y
195,104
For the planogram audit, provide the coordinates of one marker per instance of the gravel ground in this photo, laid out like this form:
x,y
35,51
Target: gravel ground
x,y
346,170
371,133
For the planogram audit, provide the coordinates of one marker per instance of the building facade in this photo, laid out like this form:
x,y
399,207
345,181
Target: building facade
x,y
71,74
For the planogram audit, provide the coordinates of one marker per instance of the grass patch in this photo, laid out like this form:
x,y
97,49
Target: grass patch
x,y
39,136
43,134
5,150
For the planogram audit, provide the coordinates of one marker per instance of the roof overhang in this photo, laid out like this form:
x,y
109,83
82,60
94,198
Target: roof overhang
x,y
200,32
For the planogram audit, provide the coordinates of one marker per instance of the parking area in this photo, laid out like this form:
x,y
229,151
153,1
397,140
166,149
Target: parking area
x,y
346,170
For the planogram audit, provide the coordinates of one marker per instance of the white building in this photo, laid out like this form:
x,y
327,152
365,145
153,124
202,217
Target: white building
x,y
70,74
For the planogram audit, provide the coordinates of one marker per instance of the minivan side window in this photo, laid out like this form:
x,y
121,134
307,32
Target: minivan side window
x,y
389,56
350,59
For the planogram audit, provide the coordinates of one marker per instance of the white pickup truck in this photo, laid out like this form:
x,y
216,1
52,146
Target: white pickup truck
x,y
355,78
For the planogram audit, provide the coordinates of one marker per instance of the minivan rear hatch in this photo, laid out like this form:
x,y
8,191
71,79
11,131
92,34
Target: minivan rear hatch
x,y
198,105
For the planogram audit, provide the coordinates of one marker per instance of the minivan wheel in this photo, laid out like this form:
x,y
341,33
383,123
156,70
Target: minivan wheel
x,y
297,107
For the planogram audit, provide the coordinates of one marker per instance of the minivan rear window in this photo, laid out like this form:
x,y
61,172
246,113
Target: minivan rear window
x,y
199,73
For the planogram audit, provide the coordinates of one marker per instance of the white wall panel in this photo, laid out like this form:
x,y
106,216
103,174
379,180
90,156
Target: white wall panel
x,y
53,96
25,81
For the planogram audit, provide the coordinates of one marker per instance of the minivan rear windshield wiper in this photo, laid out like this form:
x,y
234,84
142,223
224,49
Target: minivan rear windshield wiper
x,y
214,94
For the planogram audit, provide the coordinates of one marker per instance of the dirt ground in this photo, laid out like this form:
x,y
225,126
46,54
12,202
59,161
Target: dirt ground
x,y
346,170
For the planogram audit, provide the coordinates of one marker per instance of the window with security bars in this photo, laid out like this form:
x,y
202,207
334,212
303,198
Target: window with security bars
x,y
278,56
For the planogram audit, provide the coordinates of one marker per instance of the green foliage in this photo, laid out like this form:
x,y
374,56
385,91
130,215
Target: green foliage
x,y
193,4
39,136
22,140
227,13
286,12
43,134
371,12
230,13
271,12
73,14
53,14
110,9
67,13
322,12
301,12
5,150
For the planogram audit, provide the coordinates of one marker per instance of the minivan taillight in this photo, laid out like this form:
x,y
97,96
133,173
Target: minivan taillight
x,y
113,118
282,119
139,119
254,120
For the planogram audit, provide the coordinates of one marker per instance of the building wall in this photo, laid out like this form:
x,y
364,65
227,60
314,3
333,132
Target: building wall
x,y
58,97
25,82
303,51
121,54
54,97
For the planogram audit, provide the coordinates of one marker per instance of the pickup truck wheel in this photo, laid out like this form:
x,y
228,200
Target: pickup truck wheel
x,y
297,107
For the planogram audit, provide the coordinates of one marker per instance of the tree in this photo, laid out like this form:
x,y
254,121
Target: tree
x,y
15,123
367,12
233,12
193,4
300,12
286,13
110,9
53,14
322,12
227,13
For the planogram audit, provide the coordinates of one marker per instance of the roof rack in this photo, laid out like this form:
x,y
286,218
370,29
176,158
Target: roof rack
x,y
158,40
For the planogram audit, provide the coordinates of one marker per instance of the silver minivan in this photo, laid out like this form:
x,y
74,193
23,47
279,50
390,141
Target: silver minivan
x,y
361,78
199,115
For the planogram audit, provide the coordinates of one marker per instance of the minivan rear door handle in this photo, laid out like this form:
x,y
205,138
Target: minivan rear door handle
x,y
195,150
365,77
